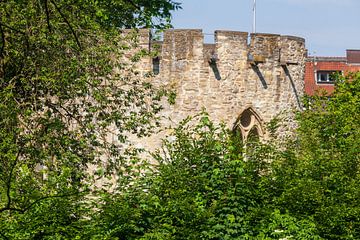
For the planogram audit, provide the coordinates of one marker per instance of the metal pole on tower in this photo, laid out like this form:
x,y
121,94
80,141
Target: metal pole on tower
x,y
254,17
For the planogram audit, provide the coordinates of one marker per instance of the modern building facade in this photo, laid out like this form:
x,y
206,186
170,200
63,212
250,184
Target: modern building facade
x,y
319,71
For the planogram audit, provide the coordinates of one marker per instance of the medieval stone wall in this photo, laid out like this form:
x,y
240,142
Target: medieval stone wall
x,y
260,73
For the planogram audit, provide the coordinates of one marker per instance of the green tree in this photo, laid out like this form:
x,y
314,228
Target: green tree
x,y
64,88
206,185
317,177
203,186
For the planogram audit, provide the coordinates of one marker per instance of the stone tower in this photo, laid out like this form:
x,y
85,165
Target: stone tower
x,y
241,82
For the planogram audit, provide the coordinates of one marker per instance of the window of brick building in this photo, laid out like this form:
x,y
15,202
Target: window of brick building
x,y
325,76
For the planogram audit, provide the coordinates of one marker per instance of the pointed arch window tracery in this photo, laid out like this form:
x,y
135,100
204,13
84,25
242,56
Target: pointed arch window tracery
x,y
249,124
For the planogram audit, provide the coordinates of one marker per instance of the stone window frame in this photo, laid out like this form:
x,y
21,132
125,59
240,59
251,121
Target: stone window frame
x,y
247,121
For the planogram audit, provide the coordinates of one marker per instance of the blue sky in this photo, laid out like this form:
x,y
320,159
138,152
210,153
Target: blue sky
x,y
329,26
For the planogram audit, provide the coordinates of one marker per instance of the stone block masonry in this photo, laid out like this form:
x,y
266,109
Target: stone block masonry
x,y
260,74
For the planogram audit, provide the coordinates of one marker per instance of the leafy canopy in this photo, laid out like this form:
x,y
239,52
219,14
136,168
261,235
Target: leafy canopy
x,y
206,185
68,97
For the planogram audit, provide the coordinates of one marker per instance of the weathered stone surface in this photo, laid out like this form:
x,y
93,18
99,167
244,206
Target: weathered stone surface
x,y
227,77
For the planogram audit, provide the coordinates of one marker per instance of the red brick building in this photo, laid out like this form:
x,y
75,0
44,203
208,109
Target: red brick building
x,y
319,71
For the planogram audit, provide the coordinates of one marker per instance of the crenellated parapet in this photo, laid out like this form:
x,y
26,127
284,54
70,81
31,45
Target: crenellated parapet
x,y
187,44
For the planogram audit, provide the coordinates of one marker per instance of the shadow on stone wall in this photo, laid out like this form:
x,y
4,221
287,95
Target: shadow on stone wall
x,y
259,74
287,73
215,69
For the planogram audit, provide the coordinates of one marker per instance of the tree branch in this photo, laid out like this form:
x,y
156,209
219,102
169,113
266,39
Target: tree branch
x,y
2,50
2,53
68,23
5,237
47,15
8,183
37,201
11,28
133,4
48,197
11,209
67,113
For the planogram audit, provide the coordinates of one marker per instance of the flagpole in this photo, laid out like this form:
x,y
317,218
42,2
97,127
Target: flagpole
x,y
254,17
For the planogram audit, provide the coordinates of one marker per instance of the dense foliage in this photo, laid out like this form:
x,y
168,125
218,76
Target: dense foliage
x,y
65,90
206,185
318,176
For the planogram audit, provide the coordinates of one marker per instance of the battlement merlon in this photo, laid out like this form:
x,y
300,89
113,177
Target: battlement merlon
x,y
231,46
182,44
293,50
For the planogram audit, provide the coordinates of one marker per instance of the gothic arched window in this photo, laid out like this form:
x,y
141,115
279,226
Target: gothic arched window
x,y
249,124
